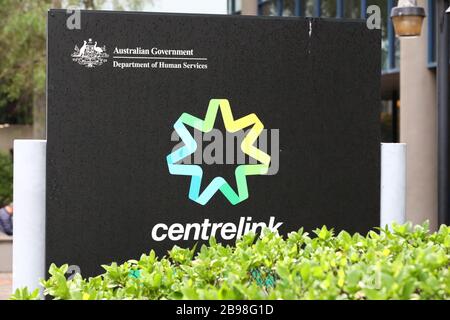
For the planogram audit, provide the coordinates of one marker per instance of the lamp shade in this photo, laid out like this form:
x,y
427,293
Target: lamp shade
x,y
408,21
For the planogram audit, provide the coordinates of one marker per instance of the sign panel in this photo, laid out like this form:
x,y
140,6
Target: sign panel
x,y
168,129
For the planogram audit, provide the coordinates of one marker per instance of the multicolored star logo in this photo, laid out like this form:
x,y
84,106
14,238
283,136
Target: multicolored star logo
x,y
190,146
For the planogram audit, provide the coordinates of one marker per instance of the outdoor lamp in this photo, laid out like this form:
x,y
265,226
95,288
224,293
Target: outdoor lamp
x,y
407,18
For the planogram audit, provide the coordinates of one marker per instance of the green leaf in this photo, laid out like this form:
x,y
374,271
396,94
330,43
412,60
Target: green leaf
x,y
408,263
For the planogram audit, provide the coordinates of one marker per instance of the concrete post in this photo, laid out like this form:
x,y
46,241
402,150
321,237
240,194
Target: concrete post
x,y
29,213
393,184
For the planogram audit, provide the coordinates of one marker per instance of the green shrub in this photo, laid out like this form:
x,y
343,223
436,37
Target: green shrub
x,y
6,179
406,263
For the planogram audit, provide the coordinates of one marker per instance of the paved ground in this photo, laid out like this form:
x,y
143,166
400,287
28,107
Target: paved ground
x,y
5,285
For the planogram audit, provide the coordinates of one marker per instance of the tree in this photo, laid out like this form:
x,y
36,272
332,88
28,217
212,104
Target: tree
x,y
22,51
22,54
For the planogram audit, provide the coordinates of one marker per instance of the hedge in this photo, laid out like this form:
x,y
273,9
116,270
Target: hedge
x,y
6,179
407,263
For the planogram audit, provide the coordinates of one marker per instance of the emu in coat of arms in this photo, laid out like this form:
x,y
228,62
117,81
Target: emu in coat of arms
x,y
90,55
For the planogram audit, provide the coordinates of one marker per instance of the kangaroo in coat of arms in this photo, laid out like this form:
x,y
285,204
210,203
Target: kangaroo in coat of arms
x,y
90,55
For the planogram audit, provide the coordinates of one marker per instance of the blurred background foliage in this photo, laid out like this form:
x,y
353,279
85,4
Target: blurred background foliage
x,y
22,51
6,179
22,57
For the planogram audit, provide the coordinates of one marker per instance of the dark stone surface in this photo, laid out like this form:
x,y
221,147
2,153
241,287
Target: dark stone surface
x,y
109,129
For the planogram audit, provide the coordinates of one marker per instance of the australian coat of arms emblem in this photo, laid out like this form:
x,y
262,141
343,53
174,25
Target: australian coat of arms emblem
x,y
90,54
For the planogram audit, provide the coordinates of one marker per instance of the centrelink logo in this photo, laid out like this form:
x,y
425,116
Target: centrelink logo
x,y
261,163
190,146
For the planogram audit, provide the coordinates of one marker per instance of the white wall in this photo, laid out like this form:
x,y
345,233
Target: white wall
x,y
188,6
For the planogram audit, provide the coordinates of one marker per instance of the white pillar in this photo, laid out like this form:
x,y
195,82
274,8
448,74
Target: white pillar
x,y
393,183
29,213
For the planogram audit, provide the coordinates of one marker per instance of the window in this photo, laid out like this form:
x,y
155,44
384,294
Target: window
x,y
352,9
328,8
349,9
431,20
270,8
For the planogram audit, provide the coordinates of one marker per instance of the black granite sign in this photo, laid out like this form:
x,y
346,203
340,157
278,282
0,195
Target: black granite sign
x,y
167,129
